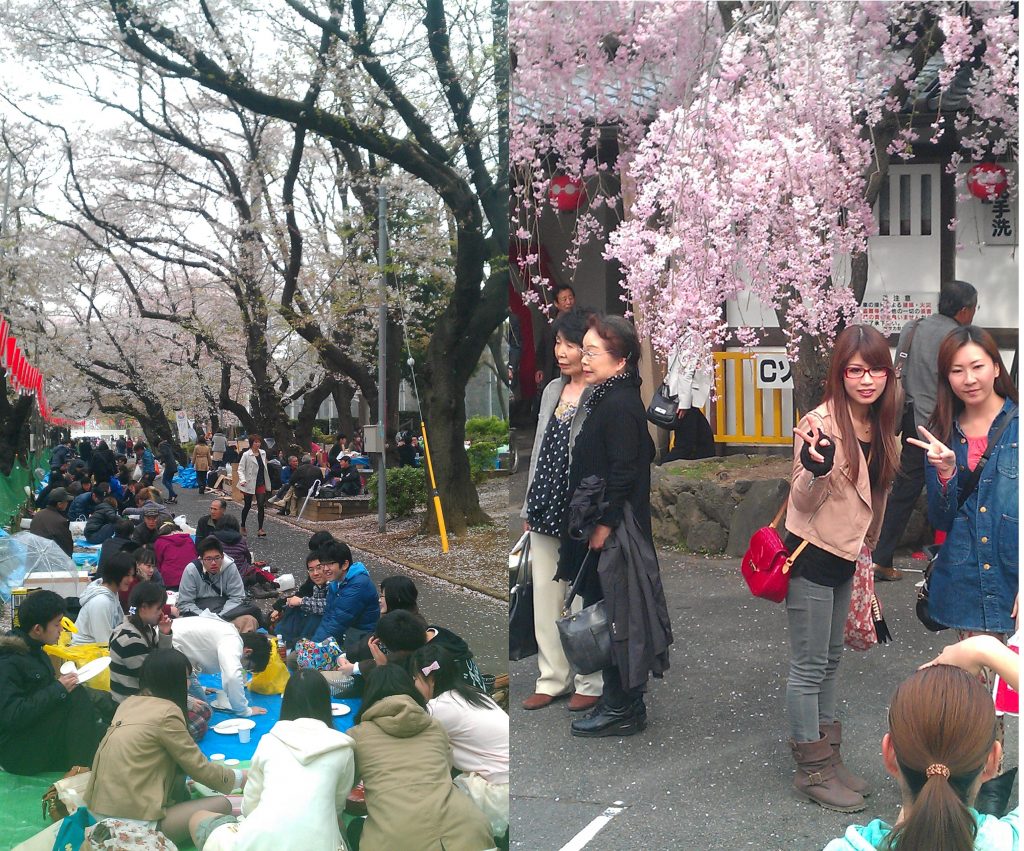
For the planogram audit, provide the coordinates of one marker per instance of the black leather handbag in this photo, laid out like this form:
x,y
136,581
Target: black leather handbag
x,y
522,637
586,638
663,408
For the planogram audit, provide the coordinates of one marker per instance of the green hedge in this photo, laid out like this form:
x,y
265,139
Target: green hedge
x,y
406,490
13,498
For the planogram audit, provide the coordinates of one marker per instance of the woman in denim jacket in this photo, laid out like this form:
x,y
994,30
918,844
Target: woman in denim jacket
x,y
973,587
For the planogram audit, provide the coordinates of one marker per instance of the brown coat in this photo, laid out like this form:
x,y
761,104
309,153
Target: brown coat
x,y
134,770
404,758
832,511
201,455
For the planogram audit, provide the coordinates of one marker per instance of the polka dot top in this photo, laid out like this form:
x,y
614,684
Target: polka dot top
x,y
548,499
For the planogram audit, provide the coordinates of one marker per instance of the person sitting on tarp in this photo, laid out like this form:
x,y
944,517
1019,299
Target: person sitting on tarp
x,y
302,613
52,521
213,584
155,522
103,516
352,609
46,723
101,609
215,646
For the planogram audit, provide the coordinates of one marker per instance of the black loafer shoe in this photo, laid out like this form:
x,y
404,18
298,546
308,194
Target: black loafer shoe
x,y
610,722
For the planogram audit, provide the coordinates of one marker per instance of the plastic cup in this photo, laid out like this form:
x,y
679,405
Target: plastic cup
x,y
243,735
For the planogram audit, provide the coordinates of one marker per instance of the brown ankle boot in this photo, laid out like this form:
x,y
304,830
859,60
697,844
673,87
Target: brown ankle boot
x,y
833,732
816,779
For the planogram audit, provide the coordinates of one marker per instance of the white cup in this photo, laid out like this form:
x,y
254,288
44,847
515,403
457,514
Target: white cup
x,y
243,735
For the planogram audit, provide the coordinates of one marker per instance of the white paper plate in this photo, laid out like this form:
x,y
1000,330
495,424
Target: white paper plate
x,y
233,725
340,709
232,761
92,668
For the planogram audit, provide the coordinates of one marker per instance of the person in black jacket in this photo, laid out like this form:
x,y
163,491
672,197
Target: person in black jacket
x,y
103,518
614,445
349,481
46,723
102,465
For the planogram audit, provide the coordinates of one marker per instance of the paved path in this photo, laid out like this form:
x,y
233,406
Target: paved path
x,y
712,770
480,620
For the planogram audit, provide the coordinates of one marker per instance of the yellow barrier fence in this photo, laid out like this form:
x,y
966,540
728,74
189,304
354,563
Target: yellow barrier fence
x,y
734,381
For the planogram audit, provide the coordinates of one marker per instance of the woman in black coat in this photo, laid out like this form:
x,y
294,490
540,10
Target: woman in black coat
x,y
614,445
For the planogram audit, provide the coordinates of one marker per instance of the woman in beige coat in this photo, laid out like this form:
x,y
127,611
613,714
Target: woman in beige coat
x,y
404,760
845,458
139,768
201,456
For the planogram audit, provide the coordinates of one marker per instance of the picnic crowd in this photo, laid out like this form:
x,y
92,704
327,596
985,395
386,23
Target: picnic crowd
x,y
425,765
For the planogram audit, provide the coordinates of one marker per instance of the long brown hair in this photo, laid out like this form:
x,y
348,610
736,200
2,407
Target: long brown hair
x,y
940,715
869,343
948,406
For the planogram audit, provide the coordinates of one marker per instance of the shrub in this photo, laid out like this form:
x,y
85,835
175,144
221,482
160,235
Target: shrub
x,y
406,490
482,454
487,428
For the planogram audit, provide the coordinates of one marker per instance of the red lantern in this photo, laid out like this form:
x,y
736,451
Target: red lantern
x,y
987,181
566,193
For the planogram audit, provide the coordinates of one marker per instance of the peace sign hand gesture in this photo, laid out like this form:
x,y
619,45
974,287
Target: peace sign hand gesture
x,y
939,455
818,451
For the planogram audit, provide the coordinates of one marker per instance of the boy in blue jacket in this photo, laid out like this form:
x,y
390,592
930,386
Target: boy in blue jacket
x,y
353,606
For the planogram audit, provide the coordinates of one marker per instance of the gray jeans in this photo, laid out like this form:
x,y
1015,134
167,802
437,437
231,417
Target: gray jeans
x,y
817,615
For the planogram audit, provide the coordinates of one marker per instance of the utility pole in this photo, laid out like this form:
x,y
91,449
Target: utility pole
x,y
382,372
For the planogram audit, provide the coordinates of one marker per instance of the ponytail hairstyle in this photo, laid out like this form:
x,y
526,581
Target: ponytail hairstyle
x,y
948,406
436,662
941,718
884,455
145,594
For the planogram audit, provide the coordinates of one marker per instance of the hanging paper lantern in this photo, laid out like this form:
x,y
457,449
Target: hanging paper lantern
x,y
987,181
566,193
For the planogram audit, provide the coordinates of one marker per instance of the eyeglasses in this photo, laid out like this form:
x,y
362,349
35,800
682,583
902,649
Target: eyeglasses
x,y
212,559
590,354
858,371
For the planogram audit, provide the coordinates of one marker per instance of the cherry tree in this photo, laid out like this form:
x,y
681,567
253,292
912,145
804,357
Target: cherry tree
x,y
757,136
411,88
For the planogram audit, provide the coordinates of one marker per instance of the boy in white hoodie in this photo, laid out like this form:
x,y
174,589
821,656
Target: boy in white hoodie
x,y
101,609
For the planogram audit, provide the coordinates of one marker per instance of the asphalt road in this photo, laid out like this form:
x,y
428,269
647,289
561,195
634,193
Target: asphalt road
x,y
712,770
480,620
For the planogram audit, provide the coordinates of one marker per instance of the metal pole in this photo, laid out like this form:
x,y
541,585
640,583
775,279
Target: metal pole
x,y
382,375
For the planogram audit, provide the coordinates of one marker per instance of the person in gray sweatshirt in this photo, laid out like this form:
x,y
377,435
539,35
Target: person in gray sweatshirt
x,y
101,609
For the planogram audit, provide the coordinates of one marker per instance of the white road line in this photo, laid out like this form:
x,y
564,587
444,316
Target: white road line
x,y
581,839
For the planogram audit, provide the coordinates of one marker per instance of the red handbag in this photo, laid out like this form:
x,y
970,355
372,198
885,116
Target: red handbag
x,y
767,562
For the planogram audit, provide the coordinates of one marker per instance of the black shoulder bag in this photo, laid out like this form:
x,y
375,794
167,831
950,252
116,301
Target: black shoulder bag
x,y
922,607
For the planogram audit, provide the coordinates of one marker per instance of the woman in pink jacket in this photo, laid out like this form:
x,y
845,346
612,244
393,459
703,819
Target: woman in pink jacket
x,y
845,457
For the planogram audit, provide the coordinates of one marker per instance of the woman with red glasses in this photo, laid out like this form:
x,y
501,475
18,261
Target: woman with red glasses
x,y
845,458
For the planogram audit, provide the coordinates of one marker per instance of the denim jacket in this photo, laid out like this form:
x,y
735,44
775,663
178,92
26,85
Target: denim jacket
x,y
974,580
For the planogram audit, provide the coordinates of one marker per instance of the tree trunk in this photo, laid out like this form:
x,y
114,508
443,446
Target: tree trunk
x,y
14,427
343,395
809,374
446,425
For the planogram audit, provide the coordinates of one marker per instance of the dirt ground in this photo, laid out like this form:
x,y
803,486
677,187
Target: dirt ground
x,y
477,560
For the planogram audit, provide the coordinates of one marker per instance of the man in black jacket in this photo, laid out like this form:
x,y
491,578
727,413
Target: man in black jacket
x,y
52,521
350,483
46,723
210,523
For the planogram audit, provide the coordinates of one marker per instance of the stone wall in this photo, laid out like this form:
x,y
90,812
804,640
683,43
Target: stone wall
x,y
704,509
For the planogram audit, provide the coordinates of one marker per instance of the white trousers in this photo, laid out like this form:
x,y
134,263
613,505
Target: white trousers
x,y
556,677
